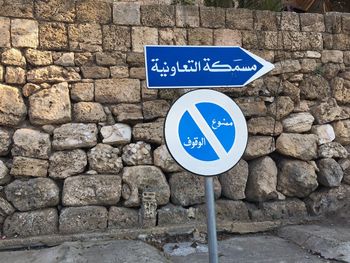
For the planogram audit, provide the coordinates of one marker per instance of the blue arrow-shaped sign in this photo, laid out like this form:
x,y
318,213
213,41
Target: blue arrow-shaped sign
x,y
202,66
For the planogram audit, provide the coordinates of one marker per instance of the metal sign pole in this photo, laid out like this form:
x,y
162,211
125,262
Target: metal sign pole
x,y
212,239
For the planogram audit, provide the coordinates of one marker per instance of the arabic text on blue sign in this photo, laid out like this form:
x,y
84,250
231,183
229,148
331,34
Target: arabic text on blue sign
x,y
202,66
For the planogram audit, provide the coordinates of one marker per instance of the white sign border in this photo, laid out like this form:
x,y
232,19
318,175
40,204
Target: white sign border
x,y
174,144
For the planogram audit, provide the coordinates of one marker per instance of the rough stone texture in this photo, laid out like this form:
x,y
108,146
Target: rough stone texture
x,y
105,159
341,90
90,10
149,132
298,122
329,111
226,211
117,134
290,21
189,189
212,17
31,143
82,92
85,37
233,182
328,200
312,22
141,36
30,89
52,74
15,75
262,180
187,16
137,153
32,194
332,150
138,179
83,219
53,36
200,36
173,215
74,135
4,174
5,32
154,109
91,190
287,66
13,57
281,107
6,209
5,141
117,90
330,173
12,107
66,163
259,146
65,59
155,15
126,13
95,72
239,19
33,223
24,33
252,108
24,166
127,112
345,165
325,133
314,87
301,146
116,38
264,126
342,131
50,106
296,178
332,56
89,112
56,10
38,58
164,160
121,217
227,37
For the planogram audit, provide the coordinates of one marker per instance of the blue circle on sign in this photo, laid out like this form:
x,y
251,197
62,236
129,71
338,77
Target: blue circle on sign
x,y
195,140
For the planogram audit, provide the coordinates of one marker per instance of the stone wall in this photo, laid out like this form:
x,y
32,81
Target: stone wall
x,y
81,137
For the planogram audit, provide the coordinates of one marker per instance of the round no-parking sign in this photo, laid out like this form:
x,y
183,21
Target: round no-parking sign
x,y
206,132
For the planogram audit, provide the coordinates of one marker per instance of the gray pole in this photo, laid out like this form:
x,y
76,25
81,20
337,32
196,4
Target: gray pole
x,y
212,239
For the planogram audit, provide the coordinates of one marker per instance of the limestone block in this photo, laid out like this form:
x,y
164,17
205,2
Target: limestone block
x,y
251,107
6,209
117,90
30,89
164,160
301,146
1,73
296,178
55,10
342,131
53,36
85,37
148,94
119,72
200,36
314,87
339,42
330,173
116,38
135,59
295,41
83,219
286,66
32,194
52,74
13,57
24,166
85,58
17,8
174,215
33,223
227,37
137,179
15,75
94,11
67,163
290,21
325,133
110,58
262,180
64,59
345,165
127,112
155,15
187,16
38,58
308,65
24,33
138,73
264,126
12,107
77,190
298,122
155,108
89,112
312,22
126,13
241,19
50,106
329,111
341,90
122,217
332,56
105,159
212,17
333,22
233,182
172,36
266,21
141,36
4,174
189,189
74,135
138,153
332,150
5,141
82,91
31,143
281,107
259,146
149,132
117,134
